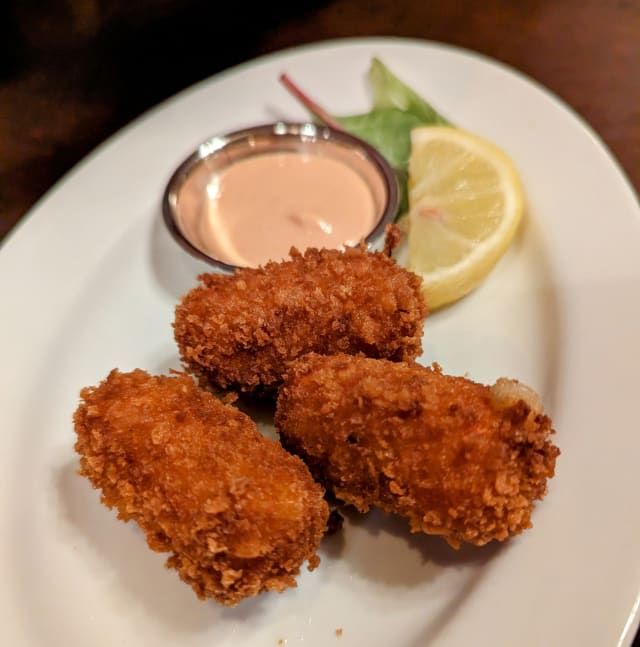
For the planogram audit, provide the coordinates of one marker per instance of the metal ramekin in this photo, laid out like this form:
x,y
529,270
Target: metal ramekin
x,y
219,151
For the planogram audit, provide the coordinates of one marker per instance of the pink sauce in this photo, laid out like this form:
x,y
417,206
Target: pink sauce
x,y
260,206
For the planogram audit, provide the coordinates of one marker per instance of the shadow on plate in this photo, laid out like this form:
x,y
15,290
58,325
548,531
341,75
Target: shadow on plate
x,y
381,548
448,614
333,545
411,558
262,412
140,572
175,270
552,320
165,366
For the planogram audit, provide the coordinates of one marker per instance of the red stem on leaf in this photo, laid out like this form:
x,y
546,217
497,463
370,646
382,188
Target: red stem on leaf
x,y
311,105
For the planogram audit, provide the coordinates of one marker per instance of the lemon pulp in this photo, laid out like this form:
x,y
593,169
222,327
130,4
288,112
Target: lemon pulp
x,y
465,204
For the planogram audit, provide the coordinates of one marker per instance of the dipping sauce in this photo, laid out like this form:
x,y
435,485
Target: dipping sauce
x,y
248,197
261,206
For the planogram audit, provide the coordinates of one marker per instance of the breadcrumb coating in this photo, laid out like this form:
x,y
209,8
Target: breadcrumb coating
x,y
238,514
458,459
241,331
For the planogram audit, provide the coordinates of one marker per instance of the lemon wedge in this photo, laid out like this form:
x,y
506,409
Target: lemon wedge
x,y
465,204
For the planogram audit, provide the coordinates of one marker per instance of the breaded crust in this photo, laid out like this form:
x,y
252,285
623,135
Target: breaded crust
x,y
458,459
238,514
241,331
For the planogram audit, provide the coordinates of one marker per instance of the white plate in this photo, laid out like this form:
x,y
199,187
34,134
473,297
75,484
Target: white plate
x,y
89,282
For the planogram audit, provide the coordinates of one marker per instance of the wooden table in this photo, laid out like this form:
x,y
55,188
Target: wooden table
x,y
74,71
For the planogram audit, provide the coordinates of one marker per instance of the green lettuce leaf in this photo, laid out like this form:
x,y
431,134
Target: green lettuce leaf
x,y
389,92
386,129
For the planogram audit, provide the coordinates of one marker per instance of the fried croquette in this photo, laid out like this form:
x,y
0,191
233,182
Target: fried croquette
x,y
241,331
458,459
238,514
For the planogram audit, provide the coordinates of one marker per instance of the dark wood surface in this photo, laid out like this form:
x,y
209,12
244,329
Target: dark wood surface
x,y
72,72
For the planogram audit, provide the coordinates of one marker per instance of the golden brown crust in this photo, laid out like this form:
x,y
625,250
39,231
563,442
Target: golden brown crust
x,y
445,452
241,331
238,513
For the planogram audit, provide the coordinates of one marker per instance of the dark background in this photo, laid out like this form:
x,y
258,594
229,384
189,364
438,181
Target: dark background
x,y
72,72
